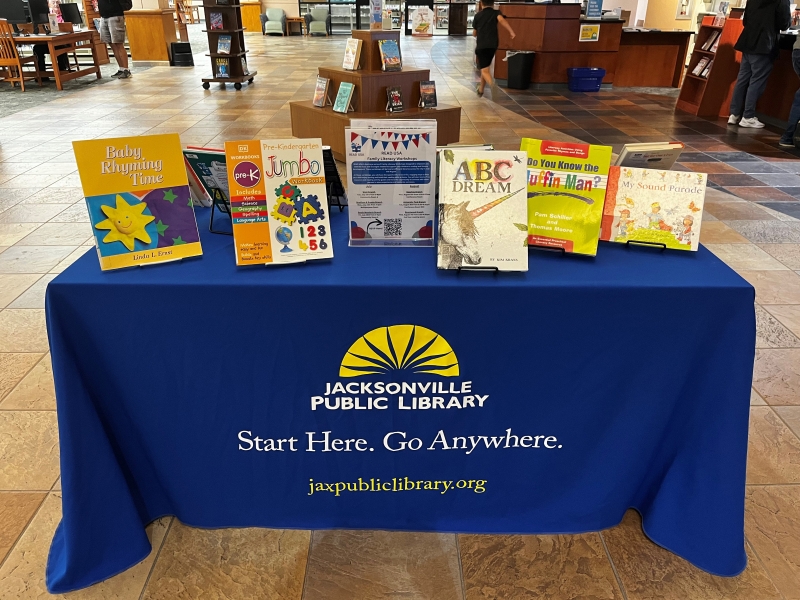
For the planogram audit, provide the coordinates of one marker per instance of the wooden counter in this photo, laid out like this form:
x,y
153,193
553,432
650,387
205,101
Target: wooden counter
x,y
651,58
782,84
552,31
150,32
251,15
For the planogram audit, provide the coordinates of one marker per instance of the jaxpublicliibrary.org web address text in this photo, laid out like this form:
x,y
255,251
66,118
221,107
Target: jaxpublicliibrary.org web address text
x,y
396,484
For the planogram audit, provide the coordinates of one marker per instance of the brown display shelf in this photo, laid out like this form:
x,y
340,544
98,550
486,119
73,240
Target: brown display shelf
x,y
232,25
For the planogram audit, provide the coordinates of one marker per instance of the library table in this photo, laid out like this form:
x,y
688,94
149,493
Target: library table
x,y
374,391
64,43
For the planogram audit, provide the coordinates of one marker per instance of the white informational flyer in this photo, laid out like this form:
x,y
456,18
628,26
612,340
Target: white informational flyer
x,y
391,181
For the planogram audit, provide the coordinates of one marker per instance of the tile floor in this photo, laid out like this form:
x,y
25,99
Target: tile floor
x,y
44,227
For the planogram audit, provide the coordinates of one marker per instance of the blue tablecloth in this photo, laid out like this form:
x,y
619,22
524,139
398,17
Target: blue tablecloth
x,y
630,373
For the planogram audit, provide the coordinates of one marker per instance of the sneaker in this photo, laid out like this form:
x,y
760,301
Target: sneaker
x,y
734,120
125,74
785,144
117,74
751,122
478,91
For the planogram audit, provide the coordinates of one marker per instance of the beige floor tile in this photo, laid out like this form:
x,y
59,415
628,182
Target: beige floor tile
x,y
756,399
649,572
776,376
382,564
16,511
33,259
716,232
770,333
75,255
22,330
772,287
13,367
556,567
788,314
736,256
229,563
11,233
773,454
772,526
33,297
22,575
36,390
13,285
68,234
31,213
790,416
788,254
28,450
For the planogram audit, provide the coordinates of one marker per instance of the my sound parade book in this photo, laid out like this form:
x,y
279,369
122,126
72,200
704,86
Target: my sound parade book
x,y
279,204
482,210
138,197
566,189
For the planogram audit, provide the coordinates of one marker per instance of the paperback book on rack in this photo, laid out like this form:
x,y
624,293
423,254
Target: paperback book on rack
x,y
663,208
138,197
566,189
279,204
208,175
482,210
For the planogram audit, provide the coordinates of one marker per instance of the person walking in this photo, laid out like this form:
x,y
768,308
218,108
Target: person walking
x,y
758,43
112,31
787,139
484,28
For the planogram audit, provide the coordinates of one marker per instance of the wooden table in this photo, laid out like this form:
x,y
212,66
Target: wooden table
x,y
63,43
291,21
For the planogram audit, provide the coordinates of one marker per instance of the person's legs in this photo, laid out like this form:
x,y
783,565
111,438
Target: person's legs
x,y
761,65
740,89
120,55
794,114
112,32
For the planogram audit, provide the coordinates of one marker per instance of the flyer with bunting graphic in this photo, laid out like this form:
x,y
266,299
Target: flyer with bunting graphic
x,y
566,188
392,182
279,204
139,201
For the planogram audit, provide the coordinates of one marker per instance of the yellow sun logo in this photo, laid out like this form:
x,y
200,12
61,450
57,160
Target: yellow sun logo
x,y
125,223
399,347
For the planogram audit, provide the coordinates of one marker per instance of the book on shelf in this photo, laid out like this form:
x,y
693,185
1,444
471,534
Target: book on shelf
x,y
343,97
215,20
279,207
139,201
706,71
394,99
427,94
321,92
715,45
352,54
245,70
390,55
710,41
654,207
654,155
701,64
719,20
566,188
482,210
224,44
223,2
208,175
223,68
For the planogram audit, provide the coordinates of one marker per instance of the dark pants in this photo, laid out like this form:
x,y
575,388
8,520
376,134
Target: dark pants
x,y
41,49
753,74
794,114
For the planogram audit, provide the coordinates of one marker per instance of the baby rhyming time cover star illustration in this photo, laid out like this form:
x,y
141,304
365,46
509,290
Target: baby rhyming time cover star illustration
x,y
137,193
654,207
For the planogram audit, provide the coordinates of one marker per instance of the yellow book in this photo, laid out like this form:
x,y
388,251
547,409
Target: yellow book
x,y
138,197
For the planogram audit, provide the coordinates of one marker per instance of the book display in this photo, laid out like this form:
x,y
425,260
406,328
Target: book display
x,y
482,210
139,201
321,96
566,190
344,98
313,117
352,54
392,186
394,99
208,175
279,208
226,44
647,206
390,55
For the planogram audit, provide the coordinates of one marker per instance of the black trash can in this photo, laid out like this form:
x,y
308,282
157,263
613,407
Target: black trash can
x,y
520,65
181,53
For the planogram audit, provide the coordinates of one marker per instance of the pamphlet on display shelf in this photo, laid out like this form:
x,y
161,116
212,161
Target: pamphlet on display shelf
x,y
279,204
208,176
482,210
654,207
566,190
139,201
391,181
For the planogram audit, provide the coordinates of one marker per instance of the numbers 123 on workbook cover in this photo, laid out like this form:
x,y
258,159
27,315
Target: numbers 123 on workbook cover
x,y
138,197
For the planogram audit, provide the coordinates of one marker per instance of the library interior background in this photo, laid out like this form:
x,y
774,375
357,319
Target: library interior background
x,y
621,422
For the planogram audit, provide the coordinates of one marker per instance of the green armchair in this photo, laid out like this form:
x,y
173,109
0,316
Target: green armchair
x,y
318,21
273,21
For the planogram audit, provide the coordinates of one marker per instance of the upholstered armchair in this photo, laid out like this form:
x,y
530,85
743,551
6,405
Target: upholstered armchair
x,y
273,21
318,21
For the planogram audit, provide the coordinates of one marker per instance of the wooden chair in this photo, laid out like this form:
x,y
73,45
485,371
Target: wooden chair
x,y
11,61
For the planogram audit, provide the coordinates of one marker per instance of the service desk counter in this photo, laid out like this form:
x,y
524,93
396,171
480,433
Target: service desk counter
x,y
776,101
651,58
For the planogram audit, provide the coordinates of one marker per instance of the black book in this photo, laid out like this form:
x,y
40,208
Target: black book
x,y
394,99
427,94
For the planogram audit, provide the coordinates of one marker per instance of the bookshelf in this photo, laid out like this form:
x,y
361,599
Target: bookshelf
x,y
230,16
707,95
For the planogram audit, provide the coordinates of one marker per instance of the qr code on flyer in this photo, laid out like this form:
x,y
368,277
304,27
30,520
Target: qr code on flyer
x,y
392,227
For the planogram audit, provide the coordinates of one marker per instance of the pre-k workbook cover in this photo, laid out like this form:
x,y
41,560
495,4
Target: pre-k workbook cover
x,y
654,207
138,197
279,205
482,210
566,189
